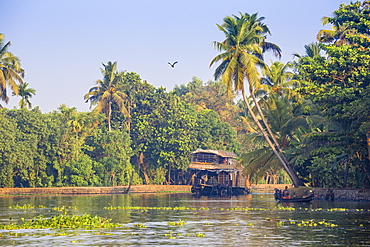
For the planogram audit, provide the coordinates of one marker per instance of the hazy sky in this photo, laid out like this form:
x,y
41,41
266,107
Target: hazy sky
x,y
63,43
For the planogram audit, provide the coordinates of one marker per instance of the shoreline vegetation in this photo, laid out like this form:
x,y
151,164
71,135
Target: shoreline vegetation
x,y
303,122
331,194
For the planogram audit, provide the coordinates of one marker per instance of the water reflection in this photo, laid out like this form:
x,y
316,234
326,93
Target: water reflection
x,y
248,220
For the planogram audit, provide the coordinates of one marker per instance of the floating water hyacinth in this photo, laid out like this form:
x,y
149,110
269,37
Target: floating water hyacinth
x,y
310,223
140,225
64,208
26,206
63,221
179,223
199,235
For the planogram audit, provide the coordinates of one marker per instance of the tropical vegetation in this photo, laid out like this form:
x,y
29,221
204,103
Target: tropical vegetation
x,y
302,122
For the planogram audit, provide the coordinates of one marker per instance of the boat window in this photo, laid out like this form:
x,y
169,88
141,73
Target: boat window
x,y
204,158
223,178
223,160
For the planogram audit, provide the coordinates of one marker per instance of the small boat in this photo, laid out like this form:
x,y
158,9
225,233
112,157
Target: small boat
x,y
302,199
279,197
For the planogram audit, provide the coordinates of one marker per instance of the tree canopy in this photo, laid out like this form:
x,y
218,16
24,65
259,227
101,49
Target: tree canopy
x,y
308,119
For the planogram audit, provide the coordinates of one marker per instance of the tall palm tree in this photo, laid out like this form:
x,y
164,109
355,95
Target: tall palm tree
x,y
25,93
10,70
241,54
107,93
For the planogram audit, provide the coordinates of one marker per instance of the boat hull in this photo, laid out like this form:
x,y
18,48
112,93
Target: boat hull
x,y
218,190
305,199
279,197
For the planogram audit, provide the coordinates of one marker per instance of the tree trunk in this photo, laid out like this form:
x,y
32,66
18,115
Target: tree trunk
x,y
295,179
169,175
129,185
272,135
109,115
345,174
268,127
146,177
248,181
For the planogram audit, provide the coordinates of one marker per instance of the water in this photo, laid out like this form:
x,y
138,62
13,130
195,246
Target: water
x,y
248,220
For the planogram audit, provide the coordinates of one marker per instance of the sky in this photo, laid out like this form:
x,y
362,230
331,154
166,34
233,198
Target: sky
x,y
63,43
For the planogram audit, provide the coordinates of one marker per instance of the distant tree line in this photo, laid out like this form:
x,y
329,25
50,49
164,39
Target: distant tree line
x,y
303,122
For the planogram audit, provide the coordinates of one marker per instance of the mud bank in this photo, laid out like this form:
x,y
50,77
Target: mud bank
x,y
342,194
95,190
332,194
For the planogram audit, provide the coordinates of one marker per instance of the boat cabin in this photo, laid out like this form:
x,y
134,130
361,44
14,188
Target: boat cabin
x,y
216,172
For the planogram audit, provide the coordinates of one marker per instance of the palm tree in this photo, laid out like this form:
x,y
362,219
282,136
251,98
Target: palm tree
x,y
337,34
311,50
77,123
10,70
241,54
278,80
290,128
107,93
25,94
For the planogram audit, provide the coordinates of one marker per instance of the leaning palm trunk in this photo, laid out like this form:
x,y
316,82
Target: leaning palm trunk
x,y
288,168
272,135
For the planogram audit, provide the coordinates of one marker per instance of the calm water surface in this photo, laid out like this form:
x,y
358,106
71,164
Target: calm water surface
x,y
154,220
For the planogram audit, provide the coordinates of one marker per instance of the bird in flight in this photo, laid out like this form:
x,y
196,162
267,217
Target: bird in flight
x,y
172,64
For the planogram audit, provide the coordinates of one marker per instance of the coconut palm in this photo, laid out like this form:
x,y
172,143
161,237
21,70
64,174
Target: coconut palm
x,y
10,70
107,93
25,93
337,34
311,50
241,54
278,80
289,127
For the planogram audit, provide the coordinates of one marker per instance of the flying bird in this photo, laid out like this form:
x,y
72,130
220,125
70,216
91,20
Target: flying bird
x,y
172,64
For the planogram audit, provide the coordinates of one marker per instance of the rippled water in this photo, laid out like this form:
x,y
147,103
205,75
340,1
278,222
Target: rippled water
x,y
184,220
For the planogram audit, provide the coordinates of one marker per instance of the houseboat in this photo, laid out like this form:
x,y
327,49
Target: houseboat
x,y
216,172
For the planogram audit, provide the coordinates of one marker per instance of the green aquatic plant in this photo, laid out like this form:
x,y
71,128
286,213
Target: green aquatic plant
x,y
182,208
140,225
305,223
63,221
285,208
24,206
179,223
64,208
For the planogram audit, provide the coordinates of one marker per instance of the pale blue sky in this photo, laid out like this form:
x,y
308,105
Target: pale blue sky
x,y
62,43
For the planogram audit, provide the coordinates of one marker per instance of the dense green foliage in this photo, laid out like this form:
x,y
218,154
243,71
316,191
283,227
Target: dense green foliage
x,y
339,84
310,117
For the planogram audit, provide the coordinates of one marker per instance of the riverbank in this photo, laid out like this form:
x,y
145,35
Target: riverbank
x,y
96,190
261,188
336,194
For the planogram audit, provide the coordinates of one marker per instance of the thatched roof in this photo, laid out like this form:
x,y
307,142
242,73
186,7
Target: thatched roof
x,y
225,154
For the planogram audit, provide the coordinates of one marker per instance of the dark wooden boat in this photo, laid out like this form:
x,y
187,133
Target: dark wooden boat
x,y
279,197
216,173
302,199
